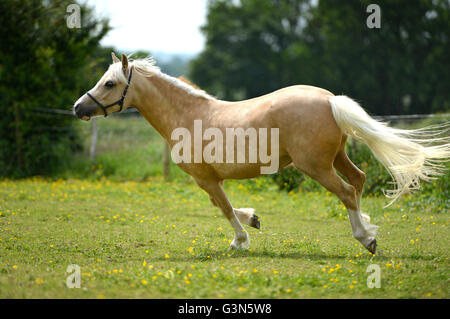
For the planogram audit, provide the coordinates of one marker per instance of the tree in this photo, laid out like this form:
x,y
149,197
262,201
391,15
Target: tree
x,y
398,68
257,46
43,64
249,47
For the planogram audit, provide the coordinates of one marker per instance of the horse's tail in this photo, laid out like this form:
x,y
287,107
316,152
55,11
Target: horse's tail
x,y
408,155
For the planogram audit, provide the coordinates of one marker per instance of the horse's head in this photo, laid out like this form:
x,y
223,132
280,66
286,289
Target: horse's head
x,y
110,94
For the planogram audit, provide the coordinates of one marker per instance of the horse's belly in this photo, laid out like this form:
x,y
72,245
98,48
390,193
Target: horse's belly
x,y
250,170
237,170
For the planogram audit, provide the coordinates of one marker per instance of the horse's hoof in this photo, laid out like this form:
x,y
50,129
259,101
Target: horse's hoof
x,y
239,246
372,247
254,222
240,243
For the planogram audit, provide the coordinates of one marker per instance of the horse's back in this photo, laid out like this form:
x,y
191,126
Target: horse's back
x,y
298,90
306,89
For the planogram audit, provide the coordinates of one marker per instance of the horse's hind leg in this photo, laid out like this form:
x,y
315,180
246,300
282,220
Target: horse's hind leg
x,y
363,232
248,217
352,173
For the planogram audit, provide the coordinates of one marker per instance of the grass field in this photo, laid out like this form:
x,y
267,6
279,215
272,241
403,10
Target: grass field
x,y
165,240
134,235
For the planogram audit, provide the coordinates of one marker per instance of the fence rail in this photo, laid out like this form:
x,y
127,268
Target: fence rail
x,y
410,116
52,111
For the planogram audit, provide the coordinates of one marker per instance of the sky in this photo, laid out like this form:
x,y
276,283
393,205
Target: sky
x,y
169,26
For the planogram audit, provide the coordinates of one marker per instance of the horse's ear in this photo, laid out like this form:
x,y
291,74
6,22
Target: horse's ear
x,y
124,63
115,59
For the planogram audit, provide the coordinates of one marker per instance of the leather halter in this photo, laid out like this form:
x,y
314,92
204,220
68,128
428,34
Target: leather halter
x,y
118,102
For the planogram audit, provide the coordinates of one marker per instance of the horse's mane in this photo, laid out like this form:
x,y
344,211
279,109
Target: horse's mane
x,y
147,68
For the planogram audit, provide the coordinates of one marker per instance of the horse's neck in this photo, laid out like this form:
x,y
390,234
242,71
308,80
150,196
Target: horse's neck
x,y
167,107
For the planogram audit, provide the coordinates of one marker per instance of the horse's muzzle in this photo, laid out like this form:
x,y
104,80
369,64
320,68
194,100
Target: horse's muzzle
x,y
84,112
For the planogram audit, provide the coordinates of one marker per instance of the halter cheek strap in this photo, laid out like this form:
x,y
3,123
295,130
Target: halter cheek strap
x,y
118,102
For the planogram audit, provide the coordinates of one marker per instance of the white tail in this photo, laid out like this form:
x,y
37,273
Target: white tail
x,y
408,155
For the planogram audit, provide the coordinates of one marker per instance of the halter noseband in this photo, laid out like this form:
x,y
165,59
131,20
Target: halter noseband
x,y
118,102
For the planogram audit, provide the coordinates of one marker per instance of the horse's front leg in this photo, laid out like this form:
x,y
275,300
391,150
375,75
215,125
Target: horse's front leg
x,y
214,189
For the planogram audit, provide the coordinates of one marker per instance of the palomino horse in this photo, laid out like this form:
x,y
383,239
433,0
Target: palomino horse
x,y
312,123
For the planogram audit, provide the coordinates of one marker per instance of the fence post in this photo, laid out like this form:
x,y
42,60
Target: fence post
x,y
166,161
93,147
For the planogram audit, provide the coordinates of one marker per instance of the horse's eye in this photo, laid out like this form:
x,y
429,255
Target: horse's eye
x,y
109,84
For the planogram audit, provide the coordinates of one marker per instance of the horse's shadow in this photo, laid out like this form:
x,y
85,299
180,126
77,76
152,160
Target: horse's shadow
x,y
228,254
224,254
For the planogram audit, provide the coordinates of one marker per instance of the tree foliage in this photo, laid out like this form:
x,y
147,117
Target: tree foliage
x,y
256,46
43,64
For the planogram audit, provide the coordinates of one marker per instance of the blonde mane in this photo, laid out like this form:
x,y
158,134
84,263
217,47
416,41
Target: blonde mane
x,y
147,68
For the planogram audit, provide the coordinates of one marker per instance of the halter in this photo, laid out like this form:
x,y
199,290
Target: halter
x,y
118,102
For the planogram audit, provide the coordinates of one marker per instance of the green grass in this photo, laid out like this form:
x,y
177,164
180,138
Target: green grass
x,y
155,239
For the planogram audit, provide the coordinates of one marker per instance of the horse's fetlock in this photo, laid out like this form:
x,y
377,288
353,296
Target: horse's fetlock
x,y
360,235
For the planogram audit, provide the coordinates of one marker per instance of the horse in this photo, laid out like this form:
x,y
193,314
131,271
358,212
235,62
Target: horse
x,y
312,128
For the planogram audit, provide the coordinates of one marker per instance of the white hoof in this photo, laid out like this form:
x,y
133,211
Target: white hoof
x,y
367,235
241,242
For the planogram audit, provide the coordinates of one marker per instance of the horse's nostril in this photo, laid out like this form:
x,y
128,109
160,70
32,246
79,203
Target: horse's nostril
x,y
77,106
